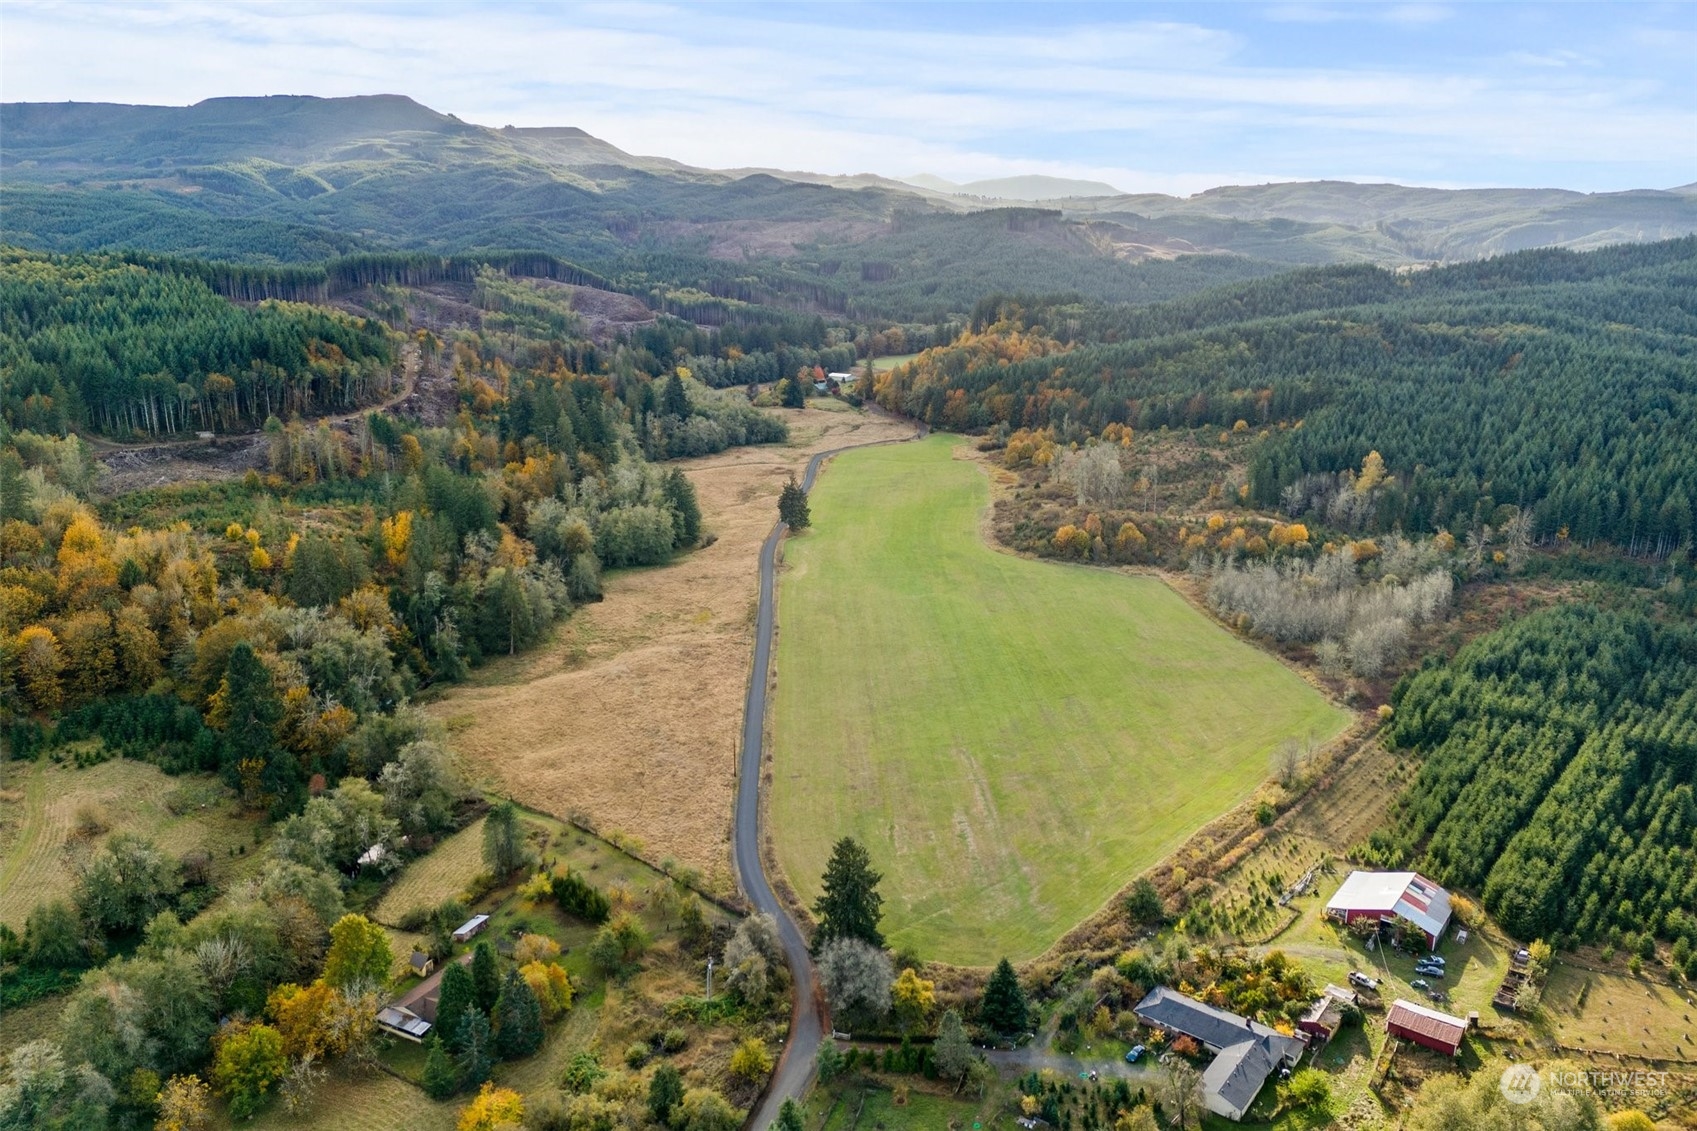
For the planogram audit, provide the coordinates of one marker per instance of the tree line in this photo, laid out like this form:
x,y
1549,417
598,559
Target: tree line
x,y
94,343
1453,375
1558,776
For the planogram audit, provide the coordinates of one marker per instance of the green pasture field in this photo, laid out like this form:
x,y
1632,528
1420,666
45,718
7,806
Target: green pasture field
x,y
1013,740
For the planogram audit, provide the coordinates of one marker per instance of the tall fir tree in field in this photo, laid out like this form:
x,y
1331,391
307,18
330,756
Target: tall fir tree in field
x,y
673,400
518,1019
503,841
1004,1009
441,1079
248,709
792,506
458,997
485,979
665,1092
850,906
680,496
475,1056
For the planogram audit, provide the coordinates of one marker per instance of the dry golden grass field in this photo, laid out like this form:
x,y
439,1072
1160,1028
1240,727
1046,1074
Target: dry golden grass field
x,y
49,815
630,717
372,1102
1612,1011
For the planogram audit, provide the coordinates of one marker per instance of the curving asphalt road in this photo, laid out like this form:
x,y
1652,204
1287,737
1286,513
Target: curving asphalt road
x,y
807,1021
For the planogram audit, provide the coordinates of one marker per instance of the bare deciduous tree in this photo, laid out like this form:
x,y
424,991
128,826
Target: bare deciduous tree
x,y
1179,1090
1095,474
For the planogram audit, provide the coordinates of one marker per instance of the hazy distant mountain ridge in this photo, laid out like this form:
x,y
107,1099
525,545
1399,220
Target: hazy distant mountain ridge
x,y
1033,187
297,178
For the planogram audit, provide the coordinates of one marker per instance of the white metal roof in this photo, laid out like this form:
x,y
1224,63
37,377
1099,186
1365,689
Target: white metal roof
x,y
1408,894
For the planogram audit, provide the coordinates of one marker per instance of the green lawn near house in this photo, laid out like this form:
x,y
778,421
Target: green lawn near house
x,y
1013,740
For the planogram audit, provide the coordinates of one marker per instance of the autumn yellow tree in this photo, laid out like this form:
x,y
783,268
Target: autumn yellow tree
x,y
493,1108
40,661
185,1104
913,998
551,985
397,536
1372,473
751,1062
86,570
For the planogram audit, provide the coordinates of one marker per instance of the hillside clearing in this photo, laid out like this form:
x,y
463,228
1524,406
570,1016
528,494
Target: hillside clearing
x,y
44,804
442,874
1012,739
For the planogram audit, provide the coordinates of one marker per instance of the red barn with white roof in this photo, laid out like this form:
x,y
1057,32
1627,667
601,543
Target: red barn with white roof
x,y
1383,896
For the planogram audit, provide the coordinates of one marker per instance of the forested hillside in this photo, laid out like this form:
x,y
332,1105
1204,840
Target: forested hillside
x,y
1557,382
356,562
1560,764
294,180
95,342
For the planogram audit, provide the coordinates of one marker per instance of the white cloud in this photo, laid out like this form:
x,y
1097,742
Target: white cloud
x,y
1141,103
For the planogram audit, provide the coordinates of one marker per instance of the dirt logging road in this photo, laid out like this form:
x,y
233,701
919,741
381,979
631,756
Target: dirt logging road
x,y
807,1021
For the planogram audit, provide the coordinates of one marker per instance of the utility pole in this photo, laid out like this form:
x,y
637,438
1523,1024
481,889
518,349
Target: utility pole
x,y
709,979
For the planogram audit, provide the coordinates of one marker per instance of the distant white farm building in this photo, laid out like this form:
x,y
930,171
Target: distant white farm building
x,y
1383,896
471,928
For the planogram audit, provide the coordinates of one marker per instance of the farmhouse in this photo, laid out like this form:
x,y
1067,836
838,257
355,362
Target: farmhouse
x,y
1383,896
413,1013
1427,1027
1245,1052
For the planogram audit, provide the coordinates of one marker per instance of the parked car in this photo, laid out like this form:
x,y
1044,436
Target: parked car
x,y
1421,984
1429,970
1357,978
1135,1054
1433,959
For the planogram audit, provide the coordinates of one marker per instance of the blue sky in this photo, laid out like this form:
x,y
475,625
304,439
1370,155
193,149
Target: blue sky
x,y
1149,97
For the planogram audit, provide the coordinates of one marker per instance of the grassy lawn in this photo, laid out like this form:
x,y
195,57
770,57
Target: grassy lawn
x,y
864,1107
52,815
881,364
374,1102
440,875
1012,739
1612,1011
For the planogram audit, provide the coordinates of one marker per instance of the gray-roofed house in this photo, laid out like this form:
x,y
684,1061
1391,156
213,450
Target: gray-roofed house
x,y
413,1013
1245,1051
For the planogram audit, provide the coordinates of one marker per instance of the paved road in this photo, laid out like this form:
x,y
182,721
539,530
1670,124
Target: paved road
x,y
807,1022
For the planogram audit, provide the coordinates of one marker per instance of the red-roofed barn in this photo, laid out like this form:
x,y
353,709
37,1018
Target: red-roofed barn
x,y
1427,1027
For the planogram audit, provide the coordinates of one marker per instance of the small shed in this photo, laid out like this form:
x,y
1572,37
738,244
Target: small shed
x,y
1322,1021
421,964
1429,1028
471,928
